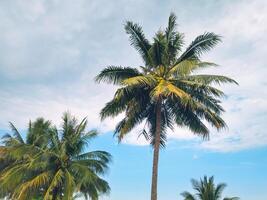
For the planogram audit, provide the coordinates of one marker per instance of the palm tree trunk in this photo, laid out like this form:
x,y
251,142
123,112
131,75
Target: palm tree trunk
x,y
156,153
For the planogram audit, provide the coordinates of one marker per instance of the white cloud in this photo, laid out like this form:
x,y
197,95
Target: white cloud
x,y
246,108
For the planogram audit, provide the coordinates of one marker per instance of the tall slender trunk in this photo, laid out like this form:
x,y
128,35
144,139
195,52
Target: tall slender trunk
x,y
154,185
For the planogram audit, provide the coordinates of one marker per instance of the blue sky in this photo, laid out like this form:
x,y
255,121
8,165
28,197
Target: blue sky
x,y
50,51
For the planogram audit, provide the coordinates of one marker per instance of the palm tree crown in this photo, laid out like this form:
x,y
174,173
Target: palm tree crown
x,y
52,163
206,190
169,77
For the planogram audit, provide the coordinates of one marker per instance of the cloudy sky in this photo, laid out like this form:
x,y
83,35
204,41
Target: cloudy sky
x,y
50,51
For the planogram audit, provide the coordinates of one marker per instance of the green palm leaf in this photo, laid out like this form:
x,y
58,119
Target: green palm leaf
x,y
188,196
116,75
201,44
188,66
16,133
138,40
174,39
208,79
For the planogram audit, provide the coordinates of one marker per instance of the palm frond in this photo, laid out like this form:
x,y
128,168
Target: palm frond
x,y
167,89
126,125
140,81
200,87
38,132
116,74
69,186
205,113
158,50
122,98
188,196
187,66
81,127
186,117
208,79
97,155
56,182
218,190
16,133
89,183
28,188
138,41
172,25
8,140
201,44
174,39
231,198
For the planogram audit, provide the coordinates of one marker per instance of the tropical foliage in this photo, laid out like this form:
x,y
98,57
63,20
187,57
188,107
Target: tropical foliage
x,y
52,163
166,91
206,189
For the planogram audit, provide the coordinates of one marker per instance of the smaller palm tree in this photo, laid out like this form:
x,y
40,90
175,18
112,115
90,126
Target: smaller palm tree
x,y
206,190
51,163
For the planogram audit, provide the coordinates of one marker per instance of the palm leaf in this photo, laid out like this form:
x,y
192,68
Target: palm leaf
x,y
167,89
116,74
158,50
68,186
138,41
174,39
103,156
16,133
218,190
187,66
188,196
122,98
208,79
140,81
56,182
200,45
32,185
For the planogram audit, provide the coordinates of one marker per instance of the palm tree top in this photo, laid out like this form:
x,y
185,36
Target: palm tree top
x,y
206,189
169,75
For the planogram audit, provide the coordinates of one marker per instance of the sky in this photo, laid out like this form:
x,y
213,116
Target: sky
x,y
51,50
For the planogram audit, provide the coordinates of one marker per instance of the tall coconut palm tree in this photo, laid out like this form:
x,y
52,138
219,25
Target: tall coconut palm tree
x,y
206,190
166,91
52,163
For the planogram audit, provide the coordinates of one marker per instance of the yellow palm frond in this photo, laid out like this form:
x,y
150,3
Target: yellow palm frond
x,y
69,186
188,66
140,81
57,180
37,182
166,89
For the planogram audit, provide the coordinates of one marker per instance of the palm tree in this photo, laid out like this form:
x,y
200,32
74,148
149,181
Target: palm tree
x,y
165,91
52,163
206,190
14,152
